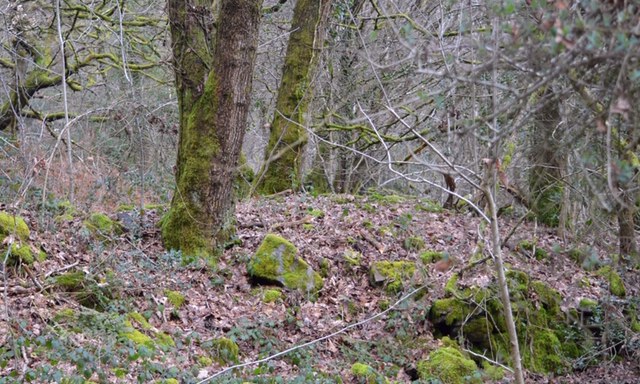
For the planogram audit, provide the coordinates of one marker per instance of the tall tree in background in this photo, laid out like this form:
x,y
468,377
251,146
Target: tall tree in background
x,y
214,48
287,138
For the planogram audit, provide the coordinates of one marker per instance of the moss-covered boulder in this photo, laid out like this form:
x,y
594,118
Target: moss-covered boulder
x,y
13,225
364,373
276,262
477,316
450,366
17,228
223,350
102,227
391,274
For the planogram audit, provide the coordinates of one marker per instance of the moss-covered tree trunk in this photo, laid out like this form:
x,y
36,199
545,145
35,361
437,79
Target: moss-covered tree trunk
x,y
214,48
287,138
547,160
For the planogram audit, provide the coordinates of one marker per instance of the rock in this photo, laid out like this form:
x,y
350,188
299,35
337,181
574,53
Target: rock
x,y
276,262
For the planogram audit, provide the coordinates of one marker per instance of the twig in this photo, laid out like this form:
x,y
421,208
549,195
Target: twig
x,y
59,270
342,330
488,359
369,237
304,220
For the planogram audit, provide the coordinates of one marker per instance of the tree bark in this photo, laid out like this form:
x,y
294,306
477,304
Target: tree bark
x,y
282,168
546,157
213,70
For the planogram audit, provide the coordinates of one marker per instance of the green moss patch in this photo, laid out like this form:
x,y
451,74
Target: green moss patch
x,y
547,339
13,225
276,262
391,274
450,366
175,298
223,350
429,257
616,285
102,227
271,295
531,246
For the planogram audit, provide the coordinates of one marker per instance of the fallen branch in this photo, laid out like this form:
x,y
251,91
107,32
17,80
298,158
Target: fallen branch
x,y
369,237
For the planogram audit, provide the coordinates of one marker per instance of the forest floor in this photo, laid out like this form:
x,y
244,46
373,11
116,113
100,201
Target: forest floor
x,y
48,336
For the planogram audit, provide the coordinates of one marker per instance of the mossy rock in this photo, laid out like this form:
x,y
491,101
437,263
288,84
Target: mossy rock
x,y
276,262
19,254
477,315
175,298
13,225
391,274
271,295
20,250
65,217
450,366
223,350
364,373
616,285
102,227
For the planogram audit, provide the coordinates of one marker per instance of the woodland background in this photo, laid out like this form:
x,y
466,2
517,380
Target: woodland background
x,y
427,120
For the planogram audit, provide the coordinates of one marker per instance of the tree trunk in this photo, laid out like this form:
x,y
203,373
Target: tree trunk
x,y
282,168
546,173
213,70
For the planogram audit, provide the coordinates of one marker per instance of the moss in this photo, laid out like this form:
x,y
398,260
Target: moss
x,y
362,370
20,253
587,304
391,273
164,340
70,280
325,267
308,227
101,226
271,295
170,381
616,285
492,372
452,310
138,318
450,366
224,350
66,315
125,208
316,213
175,298
204,361
538,253
520,278
549,297
413,243
276,261
65,217
13,225
429,206
138,338
352,258
543,352
429,257
451,287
